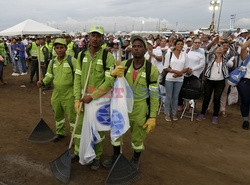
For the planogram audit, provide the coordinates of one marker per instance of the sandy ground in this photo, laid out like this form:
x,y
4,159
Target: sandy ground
x,y
177,153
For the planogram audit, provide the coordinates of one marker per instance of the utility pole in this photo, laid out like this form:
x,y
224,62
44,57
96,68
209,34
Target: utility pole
x,y
219,16
214,5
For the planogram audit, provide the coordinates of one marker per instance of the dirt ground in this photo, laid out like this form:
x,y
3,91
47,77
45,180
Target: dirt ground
x,y
177,153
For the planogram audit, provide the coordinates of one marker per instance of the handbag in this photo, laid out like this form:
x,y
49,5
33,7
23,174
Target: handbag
x,y
192,88
238,73
163,74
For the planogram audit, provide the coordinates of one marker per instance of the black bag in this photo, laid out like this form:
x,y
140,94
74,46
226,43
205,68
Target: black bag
x,y
192,88
163,74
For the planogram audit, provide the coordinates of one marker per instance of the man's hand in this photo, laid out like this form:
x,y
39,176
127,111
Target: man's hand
x,y
39,83
150,125
87,99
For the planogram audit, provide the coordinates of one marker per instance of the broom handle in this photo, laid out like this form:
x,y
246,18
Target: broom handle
x,y
119,59
121,145
77,116
118,62
40,89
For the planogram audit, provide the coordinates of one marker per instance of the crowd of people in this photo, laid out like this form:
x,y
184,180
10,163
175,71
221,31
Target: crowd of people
x,y
65,61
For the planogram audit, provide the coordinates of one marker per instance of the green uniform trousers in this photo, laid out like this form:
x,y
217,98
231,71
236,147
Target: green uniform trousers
x,y
137,119
60,108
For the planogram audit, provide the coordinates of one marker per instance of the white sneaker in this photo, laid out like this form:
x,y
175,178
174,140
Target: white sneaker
x,y
175,118
22,74
15,74
168,118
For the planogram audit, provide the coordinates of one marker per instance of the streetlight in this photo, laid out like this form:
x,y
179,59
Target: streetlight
x,y
214,5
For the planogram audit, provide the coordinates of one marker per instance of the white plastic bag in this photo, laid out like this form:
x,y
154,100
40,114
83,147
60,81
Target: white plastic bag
x,y
101,110
121,104
233,96
96,118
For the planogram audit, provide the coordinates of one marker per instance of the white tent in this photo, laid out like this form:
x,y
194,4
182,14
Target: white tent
x,y
29,27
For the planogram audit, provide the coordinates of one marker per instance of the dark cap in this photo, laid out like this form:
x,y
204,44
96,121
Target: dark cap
x,y
138,37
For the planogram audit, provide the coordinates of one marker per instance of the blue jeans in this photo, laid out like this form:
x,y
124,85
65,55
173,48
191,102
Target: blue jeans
x,y
23,64
172,92
16,65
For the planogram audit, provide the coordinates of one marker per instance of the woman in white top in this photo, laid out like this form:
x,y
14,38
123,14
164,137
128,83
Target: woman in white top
x,y
176,65
216,73
196,63
244,87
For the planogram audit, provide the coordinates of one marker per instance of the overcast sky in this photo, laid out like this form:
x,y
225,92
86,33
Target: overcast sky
x,y
125,15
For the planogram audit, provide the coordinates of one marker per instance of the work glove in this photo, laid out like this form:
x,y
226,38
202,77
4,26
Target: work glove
x,y
77,107
150,125
118,71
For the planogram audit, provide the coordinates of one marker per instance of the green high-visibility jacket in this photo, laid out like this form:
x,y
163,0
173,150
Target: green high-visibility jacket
x,y
3,52
100,80
34,50
70,50
61,75
139,88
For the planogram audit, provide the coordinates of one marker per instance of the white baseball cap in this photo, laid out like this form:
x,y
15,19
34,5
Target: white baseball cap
x,y
243,31
150,42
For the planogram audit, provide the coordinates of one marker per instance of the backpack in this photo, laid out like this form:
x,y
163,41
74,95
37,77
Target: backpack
x,y
104,59
69,59
148,72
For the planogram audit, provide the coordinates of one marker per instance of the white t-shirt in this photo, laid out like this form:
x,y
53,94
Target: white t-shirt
x,y
116,54
236,34
164,48
157,51
216,72
196,61
176,64
25,42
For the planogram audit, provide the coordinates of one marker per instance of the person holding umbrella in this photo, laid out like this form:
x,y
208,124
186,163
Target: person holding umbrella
x,y
60,71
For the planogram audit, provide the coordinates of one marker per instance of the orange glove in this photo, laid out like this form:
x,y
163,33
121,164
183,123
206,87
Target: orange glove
x,y
150,125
